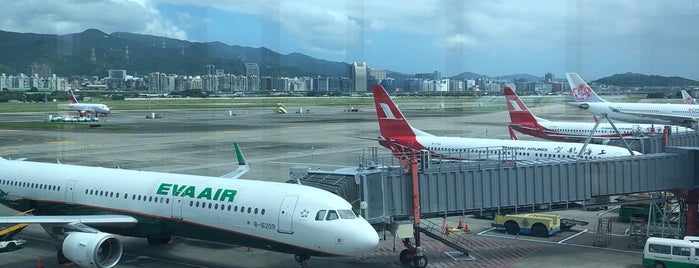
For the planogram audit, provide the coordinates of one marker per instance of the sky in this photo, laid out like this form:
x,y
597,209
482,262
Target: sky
x,y
595,38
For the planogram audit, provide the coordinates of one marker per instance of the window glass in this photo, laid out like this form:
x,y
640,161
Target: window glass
x,y
320,215
655,248
332,215
681,251
346,214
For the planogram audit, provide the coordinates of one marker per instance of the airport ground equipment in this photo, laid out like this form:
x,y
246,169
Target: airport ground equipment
x,y
7,233
537,224
567,224
603,234
637,233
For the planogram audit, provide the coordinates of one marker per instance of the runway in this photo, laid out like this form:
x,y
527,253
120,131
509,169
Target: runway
x,y
200,142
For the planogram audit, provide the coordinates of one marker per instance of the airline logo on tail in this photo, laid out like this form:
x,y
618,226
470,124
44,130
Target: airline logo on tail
x,y
581,91
387,111
519,113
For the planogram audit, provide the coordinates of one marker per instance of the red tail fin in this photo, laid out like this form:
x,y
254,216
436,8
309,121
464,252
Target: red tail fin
x,y
71,97
391,120
518,111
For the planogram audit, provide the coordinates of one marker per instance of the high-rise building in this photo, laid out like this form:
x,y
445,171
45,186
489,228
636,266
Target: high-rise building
x,y
210,69
549,77
40,69
358,76
252,69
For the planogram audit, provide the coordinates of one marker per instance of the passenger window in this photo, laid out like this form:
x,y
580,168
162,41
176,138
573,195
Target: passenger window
x,y
681,251
332,215
320,215
655,248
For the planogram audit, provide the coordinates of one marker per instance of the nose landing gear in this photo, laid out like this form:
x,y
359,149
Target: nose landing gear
x,y
302,260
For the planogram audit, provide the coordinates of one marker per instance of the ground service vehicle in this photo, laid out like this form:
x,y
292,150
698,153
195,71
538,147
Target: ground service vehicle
x,y
541,225
668,252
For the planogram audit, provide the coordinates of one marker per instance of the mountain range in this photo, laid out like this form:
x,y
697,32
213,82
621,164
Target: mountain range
x,y
71,54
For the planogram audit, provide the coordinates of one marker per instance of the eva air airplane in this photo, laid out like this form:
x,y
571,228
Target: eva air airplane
x,y
83,207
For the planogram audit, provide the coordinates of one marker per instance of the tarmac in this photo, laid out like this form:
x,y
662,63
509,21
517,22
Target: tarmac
x,y
327,138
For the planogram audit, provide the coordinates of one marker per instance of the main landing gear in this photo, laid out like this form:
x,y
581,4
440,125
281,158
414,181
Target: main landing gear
x,y
412,254
302,260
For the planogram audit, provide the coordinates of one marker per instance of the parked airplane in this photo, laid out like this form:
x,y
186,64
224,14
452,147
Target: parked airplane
x,y
83,207
87,108
523,121
399,136
649,113
687,99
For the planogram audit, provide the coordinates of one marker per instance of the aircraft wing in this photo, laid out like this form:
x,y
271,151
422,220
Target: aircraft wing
x,y
669,117
242,164
93,220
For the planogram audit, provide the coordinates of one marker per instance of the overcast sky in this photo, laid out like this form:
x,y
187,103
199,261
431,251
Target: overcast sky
x,y
593,38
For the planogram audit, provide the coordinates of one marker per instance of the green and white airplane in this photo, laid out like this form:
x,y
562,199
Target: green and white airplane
x,y
85,207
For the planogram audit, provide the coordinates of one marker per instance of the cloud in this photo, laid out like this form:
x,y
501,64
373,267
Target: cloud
x,y
72,16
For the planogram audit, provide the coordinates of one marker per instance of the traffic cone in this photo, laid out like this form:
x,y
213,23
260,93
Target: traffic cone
x,y
461,226
40,263
466,229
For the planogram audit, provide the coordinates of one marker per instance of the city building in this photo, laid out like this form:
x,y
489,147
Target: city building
x,y
358,76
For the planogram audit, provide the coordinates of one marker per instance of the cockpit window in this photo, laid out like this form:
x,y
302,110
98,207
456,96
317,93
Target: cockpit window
x,y
320,215
332,215
347,214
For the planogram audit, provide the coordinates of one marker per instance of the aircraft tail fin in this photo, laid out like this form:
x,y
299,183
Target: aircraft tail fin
x,y
687,99
392,123
581,91
518,110
71,97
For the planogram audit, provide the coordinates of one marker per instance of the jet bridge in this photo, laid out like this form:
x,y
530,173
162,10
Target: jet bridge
x,y
381,186
383,191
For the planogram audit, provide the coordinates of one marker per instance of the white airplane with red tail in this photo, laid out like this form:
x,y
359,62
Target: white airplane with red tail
x,y
85,109
399,136
523,121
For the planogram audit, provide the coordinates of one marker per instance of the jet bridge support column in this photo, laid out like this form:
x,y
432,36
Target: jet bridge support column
x,y
691,198
416,198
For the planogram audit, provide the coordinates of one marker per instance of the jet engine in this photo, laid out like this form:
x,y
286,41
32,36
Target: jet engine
x,y
102,250
584,106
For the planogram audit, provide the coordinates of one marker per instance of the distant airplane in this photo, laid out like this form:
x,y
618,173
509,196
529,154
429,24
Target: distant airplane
x,y
523,121
85,109
649,113
399,136
687,99
83,207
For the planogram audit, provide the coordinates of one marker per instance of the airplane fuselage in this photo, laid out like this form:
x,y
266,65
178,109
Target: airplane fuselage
x,y
474,149
647,113
95,108
579,131
273,216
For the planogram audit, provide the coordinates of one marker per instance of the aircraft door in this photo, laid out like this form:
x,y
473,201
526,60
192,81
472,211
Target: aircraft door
x,y
176,209
70,186
286,214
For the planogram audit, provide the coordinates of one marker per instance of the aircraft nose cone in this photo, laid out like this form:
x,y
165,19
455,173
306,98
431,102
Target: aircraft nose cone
x,y
365,238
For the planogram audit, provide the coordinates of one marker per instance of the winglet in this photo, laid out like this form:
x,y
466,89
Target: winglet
x,y
239,155
581,91
242,164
